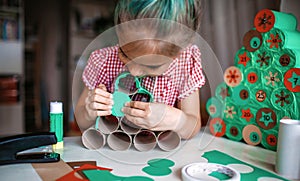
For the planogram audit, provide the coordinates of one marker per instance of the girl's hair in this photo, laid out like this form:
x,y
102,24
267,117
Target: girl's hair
x,y
186,12
172,22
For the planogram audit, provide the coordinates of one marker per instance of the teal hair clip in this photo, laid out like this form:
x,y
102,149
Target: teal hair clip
x,y
128,88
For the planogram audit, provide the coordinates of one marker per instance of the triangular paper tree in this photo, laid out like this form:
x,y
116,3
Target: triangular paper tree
x,y
263,86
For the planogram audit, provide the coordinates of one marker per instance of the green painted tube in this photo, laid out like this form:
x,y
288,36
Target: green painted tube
x,y
291,39
285,20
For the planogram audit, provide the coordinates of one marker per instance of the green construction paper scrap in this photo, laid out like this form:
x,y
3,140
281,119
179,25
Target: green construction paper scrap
x,y
96,175
161,163
220,176
224,159
157,171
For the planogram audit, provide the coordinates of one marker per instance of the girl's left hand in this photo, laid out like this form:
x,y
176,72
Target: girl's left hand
x,y
150,115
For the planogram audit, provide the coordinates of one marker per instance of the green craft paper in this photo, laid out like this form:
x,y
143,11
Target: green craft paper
x,y
119,99
286,59
282,99
272,78
274,40
96,175
224,159
234,131
241,95
265,137
157,171
262,59
161,163
292,39
285,20
252,77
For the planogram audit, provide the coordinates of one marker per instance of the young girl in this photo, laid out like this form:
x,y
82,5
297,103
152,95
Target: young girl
x,y
161,54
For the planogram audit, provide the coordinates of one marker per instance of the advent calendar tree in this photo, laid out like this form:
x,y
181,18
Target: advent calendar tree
x,y
263,86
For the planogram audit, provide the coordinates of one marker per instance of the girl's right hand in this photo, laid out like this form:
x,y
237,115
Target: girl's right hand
x,y
98,102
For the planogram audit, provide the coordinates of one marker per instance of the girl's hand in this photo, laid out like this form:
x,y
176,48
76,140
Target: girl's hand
x,y
98,102
151,115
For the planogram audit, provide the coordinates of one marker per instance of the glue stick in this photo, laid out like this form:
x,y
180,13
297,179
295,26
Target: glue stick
x,y
56,123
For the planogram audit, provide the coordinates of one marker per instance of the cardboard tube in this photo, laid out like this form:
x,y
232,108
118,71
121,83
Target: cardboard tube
x,y
93,139
288,149
119,141
129,129
108,124
145,140
168,140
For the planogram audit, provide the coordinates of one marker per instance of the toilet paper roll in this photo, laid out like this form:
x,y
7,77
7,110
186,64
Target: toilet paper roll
x,y
252,135
247,113
266,19
287,59
274,40
107,124
262,59
272,78
223,92
217,127
291,39
214,107
252,77
282,99
233,76
292,79
144,140
93,139
260,96
243,59
234,131
230,112
252,40
241,95
269,139
119,141
266,118
288,157
129,129
168,140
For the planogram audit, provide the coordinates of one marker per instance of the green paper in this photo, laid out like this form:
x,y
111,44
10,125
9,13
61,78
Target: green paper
x,y
161,163
234,131
119,99
243,59
285,20
96,175
241,95
292,39
224,159
157,171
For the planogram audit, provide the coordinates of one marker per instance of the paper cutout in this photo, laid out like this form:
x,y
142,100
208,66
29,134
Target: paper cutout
x,y
252,135
224,159
247,115
217,127
96,175
159,167
232,76
274,41
72,177
292,80
243,59
266,118
263,59
252,40
264,20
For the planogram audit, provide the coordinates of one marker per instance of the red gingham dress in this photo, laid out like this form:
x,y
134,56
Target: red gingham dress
x,y
182,78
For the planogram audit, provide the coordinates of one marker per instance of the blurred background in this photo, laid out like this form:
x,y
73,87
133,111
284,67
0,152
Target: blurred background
x,y
42,41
